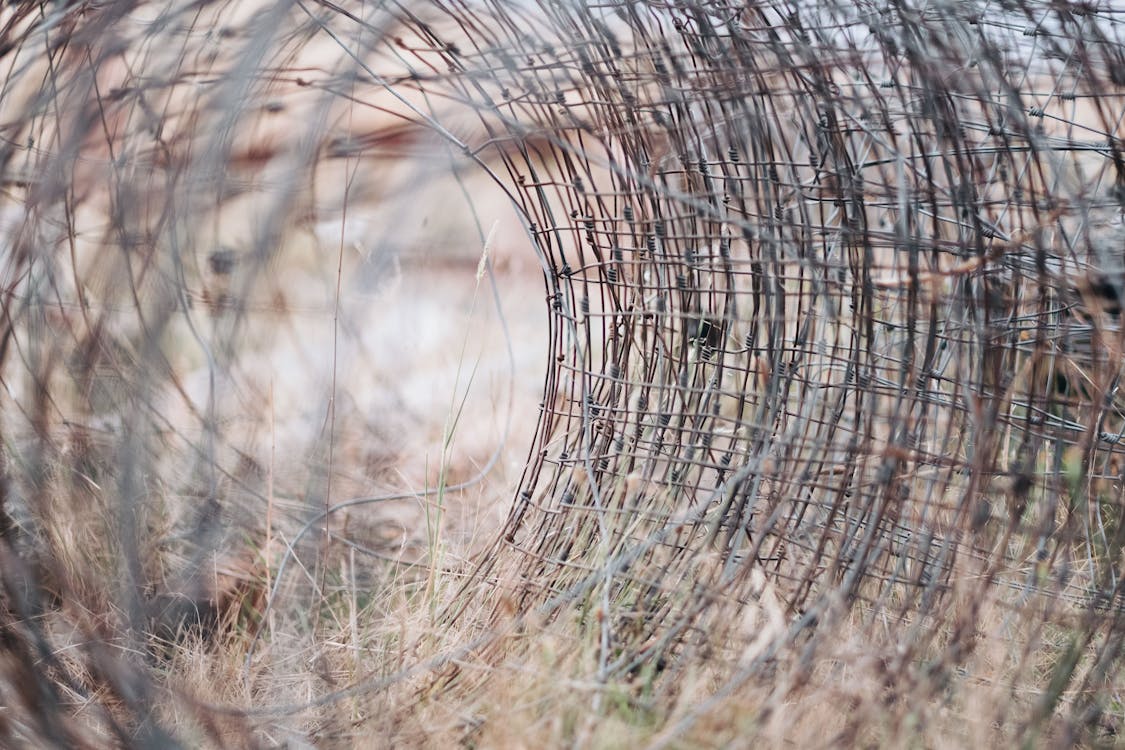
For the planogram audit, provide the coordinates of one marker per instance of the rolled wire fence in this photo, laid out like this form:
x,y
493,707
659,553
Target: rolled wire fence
x,y
834,294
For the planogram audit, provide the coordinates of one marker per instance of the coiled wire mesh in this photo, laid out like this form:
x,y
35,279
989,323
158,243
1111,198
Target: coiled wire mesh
x,y
834,294
835,315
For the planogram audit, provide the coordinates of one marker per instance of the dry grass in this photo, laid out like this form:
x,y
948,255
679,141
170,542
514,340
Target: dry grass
x,y
309,439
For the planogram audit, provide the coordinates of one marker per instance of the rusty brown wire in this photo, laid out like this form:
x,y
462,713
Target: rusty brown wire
x,y
834,294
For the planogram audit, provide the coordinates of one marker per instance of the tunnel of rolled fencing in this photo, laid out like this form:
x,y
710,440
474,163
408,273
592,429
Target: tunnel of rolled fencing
x,y
834,296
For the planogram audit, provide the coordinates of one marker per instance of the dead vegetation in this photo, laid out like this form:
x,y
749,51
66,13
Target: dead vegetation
x,y
545,374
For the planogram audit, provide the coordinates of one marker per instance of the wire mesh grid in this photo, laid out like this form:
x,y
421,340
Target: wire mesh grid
x,y
834,298
834,291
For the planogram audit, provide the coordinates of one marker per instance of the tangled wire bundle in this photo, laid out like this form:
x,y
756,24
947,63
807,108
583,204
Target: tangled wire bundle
x,y
834,300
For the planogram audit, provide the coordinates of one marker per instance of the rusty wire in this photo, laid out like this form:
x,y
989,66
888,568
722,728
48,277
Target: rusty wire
x,y
834,296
